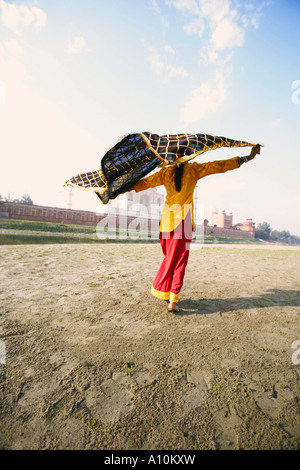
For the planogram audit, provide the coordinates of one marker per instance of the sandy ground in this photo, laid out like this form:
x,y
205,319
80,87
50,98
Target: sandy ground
x,y
90,360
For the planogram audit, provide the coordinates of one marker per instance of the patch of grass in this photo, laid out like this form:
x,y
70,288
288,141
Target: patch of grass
x,y
130,369
37,226
92,424
32,239
251,241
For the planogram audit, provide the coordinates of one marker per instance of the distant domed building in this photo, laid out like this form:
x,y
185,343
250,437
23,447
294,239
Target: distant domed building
x,y
223,220
144,204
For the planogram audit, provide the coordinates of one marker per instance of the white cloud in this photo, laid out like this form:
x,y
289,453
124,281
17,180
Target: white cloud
x,y
155,7
195,27
169,49
227,34
205,99
154,58
158,63
157,11
176,71
226,29
254,13
222,26
77,46
18,17
189,5
219,22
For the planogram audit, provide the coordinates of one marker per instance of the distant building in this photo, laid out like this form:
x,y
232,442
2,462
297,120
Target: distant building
x,y
146,204
249,226
223,220
216,220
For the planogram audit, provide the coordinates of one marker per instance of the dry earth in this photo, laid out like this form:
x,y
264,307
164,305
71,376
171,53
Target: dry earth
x,y
90,360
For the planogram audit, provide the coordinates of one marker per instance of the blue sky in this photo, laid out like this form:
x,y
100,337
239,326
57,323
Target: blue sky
x,y
76,75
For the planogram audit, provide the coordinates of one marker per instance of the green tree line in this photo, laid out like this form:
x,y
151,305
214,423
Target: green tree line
x,y
25,199
264,231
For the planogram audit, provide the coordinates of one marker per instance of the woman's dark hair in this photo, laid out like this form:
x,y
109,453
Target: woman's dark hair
x,y
178,176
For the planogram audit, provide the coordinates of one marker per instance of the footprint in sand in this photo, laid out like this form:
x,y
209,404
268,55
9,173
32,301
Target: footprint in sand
x,y
227,426
114,397
111,399
195,396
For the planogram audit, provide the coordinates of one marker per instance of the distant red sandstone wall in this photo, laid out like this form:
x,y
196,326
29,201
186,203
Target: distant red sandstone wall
x,y
228,232
20,211
47,214
13,210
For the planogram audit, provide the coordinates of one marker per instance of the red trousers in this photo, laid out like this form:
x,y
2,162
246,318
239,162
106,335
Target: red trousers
x,y
175,246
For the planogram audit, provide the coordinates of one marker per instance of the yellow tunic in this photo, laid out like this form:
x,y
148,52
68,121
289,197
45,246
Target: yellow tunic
x,y
179,204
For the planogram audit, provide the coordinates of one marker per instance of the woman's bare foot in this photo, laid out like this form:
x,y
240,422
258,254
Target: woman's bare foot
x,y
173,307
